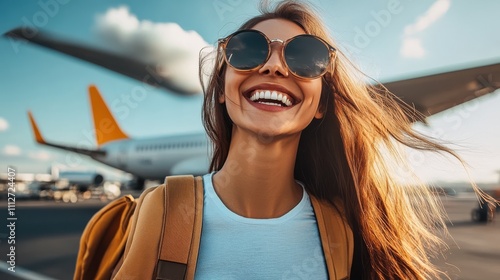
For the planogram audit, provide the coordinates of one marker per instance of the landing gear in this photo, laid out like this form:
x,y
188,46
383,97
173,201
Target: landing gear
x,y
138,184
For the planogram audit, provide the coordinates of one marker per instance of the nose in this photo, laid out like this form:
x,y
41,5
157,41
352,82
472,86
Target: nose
x,y
274,66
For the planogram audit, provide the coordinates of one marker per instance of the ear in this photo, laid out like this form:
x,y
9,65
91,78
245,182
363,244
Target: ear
x,y
320,112
222,98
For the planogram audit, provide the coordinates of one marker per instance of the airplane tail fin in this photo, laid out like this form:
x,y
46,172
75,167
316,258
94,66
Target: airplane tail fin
x,y
36,130
105,125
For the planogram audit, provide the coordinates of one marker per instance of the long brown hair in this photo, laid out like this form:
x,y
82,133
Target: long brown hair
x,y
350,155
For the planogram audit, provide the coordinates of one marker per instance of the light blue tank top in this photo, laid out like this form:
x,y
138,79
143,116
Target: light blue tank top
x,y
236,247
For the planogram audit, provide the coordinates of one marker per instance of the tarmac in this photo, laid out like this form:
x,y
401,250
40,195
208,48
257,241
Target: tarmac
x,y
47,237
474,248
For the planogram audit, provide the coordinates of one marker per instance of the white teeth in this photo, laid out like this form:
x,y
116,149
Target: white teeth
x,y
270,103
271,95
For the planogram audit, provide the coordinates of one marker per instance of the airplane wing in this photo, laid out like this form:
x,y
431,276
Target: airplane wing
x,y
121,64
39,138
435,93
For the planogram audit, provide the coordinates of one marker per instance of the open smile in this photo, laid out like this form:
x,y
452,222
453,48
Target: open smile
x,y
266,96
273,98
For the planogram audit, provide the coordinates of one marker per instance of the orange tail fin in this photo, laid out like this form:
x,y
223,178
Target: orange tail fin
x,y
36,131
105,125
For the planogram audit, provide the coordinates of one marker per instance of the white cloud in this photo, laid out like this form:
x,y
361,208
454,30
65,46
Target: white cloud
x,y
174,50
40,155
11,150
4,124
435,12
412,48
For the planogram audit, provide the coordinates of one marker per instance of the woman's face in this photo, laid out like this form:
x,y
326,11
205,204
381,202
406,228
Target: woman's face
x,y
265,119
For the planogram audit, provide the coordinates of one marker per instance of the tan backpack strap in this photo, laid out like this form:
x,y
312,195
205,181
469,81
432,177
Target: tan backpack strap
x,y
141,252
181,228
336,238
198,218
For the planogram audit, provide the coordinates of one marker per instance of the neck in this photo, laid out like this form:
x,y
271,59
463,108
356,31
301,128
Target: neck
x,y
257,179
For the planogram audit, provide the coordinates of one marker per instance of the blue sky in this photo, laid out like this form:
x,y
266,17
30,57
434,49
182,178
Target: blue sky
x,y
388,39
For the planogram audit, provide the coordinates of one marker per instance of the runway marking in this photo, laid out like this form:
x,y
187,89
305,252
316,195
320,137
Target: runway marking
x,y
23,273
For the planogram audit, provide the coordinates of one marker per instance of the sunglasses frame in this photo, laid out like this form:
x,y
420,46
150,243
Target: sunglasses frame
x,y
222,43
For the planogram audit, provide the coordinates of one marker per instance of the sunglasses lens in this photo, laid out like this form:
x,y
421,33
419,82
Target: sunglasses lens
x,y
306,56
246,50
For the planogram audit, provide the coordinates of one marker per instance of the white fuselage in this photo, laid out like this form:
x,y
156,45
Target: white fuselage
x,y
155,158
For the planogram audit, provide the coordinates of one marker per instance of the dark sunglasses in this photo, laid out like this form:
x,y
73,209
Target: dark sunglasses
x,y
306,56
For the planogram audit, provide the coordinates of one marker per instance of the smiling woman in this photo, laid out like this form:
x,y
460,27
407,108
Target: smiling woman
x,y
284,119
303,153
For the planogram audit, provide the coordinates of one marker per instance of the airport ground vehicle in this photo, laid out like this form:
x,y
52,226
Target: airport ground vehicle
x,y
484,212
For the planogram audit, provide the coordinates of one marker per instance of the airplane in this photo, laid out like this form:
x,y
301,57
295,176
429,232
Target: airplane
x,y
145,72
428,95
62,180
149,158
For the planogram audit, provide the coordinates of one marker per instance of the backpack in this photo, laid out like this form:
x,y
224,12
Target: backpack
x,y
158,235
